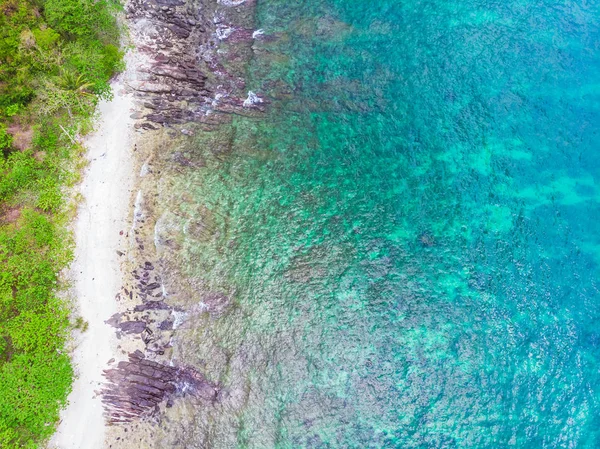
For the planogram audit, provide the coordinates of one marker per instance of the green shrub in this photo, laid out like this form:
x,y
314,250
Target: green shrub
x,y
50,196
33,388
46,137
81,324
79,18
19,170
46,38
5,138
13,110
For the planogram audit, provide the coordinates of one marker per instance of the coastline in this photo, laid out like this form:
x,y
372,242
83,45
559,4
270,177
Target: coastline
x,y
115,239
95,273
299,280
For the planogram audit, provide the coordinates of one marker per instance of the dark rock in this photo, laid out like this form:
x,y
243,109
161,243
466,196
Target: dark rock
x,y
124,365
157,118
151,305
114,320
132,327
137,355
166,325
153,286
137,386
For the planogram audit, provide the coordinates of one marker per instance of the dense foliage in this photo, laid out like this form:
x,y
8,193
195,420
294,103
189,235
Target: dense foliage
x,y
56,59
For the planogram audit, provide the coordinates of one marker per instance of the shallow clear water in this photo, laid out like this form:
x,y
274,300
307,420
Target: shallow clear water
x,y
409,238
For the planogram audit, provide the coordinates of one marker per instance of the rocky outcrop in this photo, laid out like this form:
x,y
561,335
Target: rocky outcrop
x,y
189,65
192,59
137,387
151,318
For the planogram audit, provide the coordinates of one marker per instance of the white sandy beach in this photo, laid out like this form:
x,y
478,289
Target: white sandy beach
x,y
106,189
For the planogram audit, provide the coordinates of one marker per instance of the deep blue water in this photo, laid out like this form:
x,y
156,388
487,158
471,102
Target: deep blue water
x,y
410,237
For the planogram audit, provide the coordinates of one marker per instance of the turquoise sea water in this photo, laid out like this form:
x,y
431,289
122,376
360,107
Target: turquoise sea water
x,y
408,241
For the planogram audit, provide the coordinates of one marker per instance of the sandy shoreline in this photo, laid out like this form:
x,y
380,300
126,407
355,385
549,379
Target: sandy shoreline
x,y
98,273
95,272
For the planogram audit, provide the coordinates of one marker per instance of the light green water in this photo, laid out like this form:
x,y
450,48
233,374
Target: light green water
x,y
405,248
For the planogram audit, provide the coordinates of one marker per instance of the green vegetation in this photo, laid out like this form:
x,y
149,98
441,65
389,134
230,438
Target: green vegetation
x,y
56,59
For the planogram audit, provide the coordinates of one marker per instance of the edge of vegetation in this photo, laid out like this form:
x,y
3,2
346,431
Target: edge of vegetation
x,y
56,60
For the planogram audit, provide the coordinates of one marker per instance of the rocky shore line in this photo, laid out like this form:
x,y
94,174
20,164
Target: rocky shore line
x,y
189,63
193,58
137,387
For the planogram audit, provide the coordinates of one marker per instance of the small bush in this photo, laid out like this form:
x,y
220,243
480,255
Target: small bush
x,y
13,110
5,138
81,324
50,198
46,38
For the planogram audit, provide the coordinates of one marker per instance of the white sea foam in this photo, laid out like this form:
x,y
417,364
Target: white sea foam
x,y
231,2
252,100
179,318
144,170
218,97
223,32
138,209
199,308
257,33
184,387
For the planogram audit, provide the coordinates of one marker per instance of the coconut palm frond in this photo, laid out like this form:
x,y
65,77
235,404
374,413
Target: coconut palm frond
x,y
69,80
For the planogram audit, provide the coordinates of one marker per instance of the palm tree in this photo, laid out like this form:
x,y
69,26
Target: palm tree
x,y
69,80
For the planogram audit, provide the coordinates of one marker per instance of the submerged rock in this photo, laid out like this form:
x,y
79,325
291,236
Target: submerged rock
x,y
135,388
132,327
193,58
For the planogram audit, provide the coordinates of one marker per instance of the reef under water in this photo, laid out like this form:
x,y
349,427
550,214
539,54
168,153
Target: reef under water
x,y
401,249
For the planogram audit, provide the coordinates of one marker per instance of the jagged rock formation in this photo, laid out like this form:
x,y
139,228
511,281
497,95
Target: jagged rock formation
x,y
193,55
137,387
189,65
153,319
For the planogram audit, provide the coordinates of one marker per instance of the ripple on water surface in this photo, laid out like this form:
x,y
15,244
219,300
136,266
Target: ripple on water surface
x,y
403,252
